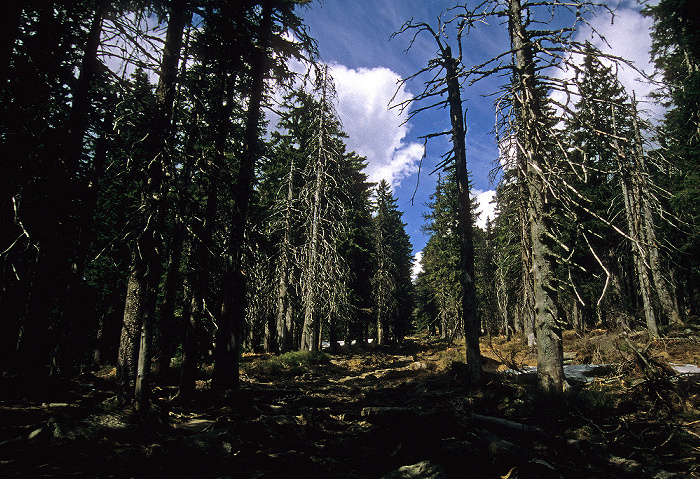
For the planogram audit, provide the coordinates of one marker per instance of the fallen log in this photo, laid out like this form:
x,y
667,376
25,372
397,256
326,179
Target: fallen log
x,y
506,424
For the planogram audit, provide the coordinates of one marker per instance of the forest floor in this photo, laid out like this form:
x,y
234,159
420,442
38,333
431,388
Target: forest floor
x,y
366,413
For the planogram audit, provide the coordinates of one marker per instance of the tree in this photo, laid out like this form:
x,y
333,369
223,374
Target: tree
x,y
146,267
440,278
275,17
445,79
530,124
392,277
676,55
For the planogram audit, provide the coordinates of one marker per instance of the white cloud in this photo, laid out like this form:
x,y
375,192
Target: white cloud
x,y
417,266
629,38
374,131
486,208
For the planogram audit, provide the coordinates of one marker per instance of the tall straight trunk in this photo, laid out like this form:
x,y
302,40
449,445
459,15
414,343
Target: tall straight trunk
x,y
128,341
310,332
169,328
203,242
633,215
284,307
548,329
470,317
225,376
165,346
664,292
527,316
190,350
146,258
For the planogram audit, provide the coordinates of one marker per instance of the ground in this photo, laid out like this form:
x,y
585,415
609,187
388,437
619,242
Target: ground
x,y
366,413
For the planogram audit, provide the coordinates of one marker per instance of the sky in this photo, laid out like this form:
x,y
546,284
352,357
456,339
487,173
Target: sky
x,y
354,40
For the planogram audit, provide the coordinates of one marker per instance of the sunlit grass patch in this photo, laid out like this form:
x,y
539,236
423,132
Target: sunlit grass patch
x,y
293,363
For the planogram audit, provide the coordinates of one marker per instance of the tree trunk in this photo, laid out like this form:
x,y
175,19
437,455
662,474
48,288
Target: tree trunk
x,y
146,257
633,213
310,333
470,317
232,319
548,330
167,323
128,345
284,309
528,294
190,343
664,292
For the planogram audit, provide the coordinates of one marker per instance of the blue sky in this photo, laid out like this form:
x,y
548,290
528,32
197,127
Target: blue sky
x,y
353,38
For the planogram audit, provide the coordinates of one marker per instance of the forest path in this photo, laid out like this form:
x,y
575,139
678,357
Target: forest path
x,y
364,414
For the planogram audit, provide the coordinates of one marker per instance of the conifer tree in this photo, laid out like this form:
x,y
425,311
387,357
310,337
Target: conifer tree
x,y
392,278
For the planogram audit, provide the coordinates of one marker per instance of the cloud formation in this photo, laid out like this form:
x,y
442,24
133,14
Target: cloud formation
x,y
628,37
374,131
417,266
486,208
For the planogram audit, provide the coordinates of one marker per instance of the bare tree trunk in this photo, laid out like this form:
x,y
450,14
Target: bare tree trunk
x,y
666,296
550,370
284,309
190,350
128,345
528,303
633,219
633,213
310,332
470,317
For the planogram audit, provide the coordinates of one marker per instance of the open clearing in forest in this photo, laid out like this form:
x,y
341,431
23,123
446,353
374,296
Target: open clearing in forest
x,y
363,414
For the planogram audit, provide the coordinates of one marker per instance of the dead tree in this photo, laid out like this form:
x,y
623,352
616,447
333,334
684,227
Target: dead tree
x,y
445,80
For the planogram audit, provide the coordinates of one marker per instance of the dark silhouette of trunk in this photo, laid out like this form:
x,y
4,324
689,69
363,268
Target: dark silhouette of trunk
x,y
231,322
190,344
146,257
548,329
167,323
470,316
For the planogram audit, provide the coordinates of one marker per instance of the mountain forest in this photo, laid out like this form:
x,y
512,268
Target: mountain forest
x,y
199,279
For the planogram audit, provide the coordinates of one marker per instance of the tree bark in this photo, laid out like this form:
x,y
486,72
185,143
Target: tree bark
x,y
470,317
128,346
284,307
146,257
548,330
225,376
310,332
633,213
664,292
527,316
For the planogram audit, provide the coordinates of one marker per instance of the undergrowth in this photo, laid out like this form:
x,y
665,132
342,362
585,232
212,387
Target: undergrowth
x,y
293,363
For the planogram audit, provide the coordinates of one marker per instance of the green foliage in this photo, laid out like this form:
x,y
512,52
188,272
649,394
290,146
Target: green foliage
x,y
391,282
439,289
676,54
293,363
